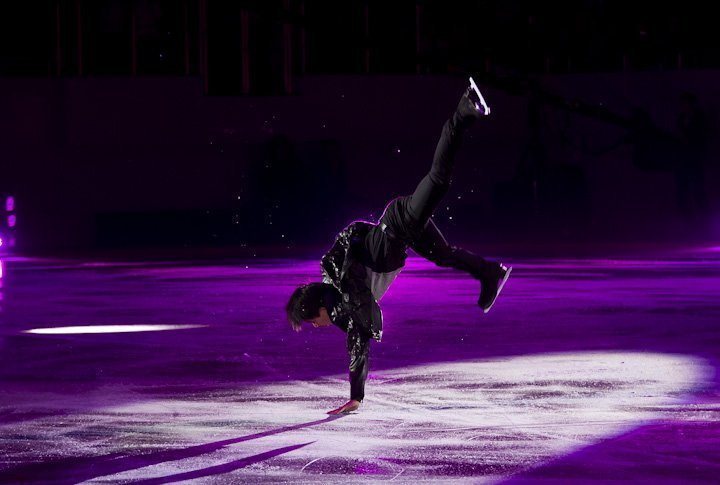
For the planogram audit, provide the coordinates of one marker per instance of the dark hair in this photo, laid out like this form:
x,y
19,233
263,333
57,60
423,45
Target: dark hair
x,y
305,304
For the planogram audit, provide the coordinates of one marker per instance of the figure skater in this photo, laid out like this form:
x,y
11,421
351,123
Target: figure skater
x,y
366,257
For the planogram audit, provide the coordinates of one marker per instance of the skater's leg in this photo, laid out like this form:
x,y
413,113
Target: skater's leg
x,y
433,246
492,275
435,184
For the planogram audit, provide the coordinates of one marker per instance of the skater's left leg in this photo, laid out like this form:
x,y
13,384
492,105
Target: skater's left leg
x,y
433,246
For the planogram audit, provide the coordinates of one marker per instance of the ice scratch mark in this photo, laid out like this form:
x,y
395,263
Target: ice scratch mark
x,y
397,475
311,462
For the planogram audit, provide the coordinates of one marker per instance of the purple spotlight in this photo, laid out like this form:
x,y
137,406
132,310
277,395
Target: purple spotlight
x,y
10,203
11,220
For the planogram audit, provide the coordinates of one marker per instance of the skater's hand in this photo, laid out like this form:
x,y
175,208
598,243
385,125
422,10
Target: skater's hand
x,y
349,406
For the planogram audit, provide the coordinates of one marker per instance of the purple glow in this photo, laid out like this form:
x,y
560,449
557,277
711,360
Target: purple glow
x,y
11,220
575,354
10,204
89,329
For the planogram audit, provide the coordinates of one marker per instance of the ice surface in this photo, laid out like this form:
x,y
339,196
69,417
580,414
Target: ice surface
x,y
597,369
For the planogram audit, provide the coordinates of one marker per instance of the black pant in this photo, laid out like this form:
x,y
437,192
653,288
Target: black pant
x,y
408,218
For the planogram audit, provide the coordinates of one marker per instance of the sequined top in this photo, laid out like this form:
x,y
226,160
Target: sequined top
x,y
360,281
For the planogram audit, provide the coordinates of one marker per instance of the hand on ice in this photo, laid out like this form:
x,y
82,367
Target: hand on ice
x,y
348,407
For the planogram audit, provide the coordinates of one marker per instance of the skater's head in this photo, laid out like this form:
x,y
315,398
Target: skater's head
x,y
309,303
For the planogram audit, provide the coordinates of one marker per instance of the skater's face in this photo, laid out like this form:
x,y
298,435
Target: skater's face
x,y
322,320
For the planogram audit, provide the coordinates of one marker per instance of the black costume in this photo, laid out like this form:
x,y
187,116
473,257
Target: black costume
x,y
367,257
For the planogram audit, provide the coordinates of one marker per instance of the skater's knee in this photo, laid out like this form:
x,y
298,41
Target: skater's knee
x,y
441,257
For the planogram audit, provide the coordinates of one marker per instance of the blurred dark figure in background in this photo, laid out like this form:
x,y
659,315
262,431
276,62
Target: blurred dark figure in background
x,y
520,196
650,144
654,150
690,169
683,155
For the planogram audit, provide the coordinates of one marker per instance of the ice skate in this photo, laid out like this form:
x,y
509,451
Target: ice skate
x,y
468,110
471,107
477,98
492,285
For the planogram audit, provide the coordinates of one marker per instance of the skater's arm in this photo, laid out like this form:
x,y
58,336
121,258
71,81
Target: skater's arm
x,y
361,305
358,348
365,323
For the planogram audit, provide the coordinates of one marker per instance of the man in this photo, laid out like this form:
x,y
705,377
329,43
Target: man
x,y
366,257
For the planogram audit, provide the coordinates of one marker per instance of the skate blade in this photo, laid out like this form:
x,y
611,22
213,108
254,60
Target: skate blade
x,y
500,287
486,108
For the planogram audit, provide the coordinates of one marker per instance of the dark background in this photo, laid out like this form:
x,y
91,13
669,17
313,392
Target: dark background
x,y
275,123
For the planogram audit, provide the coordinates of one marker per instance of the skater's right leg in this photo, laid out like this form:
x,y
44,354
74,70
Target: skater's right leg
x,y
433,187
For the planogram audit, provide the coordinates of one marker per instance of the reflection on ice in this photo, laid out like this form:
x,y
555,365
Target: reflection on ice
x,y
489,418
108,329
